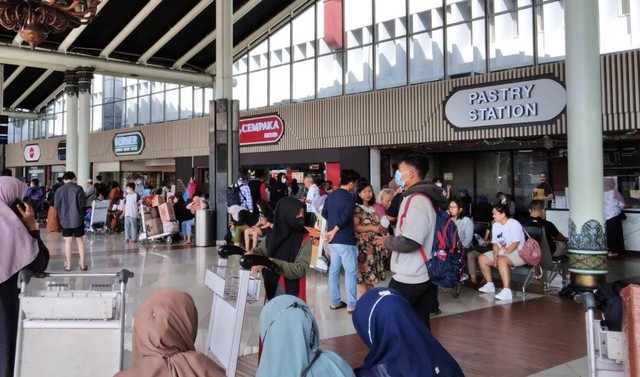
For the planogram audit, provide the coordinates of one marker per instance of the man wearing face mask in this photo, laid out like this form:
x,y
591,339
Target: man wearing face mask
x,y
414,234
338,210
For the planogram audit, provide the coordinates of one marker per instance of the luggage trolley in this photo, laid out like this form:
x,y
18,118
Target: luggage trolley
x,y
64,332
604,347
98,221
232,288
144,231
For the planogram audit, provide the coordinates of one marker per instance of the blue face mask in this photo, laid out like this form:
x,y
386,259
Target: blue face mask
x,y
397,177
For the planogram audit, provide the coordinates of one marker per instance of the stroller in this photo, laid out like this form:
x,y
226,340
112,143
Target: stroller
x,y
96,218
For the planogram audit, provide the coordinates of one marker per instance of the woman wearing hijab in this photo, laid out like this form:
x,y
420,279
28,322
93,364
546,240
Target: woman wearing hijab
x,y
290,343
21,248
399,343
164,333
295,190
278,190
289,246
613,205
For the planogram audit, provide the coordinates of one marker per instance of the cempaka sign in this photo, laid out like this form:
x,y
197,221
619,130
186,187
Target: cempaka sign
x,y
264,129
129,143
521,102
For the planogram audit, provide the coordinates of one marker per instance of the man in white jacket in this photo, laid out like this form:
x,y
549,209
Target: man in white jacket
x,y
414,234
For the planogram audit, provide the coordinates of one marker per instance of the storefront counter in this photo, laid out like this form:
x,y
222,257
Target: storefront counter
x,y
630,226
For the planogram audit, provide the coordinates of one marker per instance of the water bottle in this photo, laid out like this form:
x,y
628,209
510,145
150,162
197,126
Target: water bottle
x,y
478,238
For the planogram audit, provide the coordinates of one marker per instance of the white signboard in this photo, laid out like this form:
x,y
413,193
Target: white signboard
x,y
515,103
32,153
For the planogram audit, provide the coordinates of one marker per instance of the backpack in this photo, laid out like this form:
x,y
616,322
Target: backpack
x,y
234,196
445,263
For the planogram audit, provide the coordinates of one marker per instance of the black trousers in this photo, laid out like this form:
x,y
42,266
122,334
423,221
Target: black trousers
x,y
422,297
615,237
9,306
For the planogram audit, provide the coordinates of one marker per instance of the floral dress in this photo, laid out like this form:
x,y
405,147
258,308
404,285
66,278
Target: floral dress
x,y
370,256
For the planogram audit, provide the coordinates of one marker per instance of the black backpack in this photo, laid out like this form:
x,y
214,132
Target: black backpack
x,y
234,196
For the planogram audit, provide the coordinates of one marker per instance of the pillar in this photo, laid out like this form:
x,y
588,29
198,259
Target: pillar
x,y
85,75
587,240
71,92
375,176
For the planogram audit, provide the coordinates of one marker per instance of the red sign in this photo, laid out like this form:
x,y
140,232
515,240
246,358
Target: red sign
x,y
264,129
32,153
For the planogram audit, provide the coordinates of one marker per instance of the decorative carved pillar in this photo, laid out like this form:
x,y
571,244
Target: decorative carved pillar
x,y
587,239
71,92
85,75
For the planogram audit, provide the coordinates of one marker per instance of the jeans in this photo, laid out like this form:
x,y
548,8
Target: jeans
x,y
347,256
186,227
130,228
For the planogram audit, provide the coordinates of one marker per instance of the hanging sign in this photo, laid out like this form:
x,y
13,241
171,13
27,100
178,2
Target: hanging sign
x,y
265,129
129,143
32,153
535,101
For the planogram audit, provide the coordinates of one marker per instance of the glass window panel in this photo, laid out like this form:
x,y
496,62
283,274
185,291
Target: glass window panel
x,y
427,57
550,24
259,56
465,48
118,114
186,102
157,107
144,109
119,88
108,89
132,88
240,65
144,87
464,10
425,15
357,24
391,19
170,86
132,112
157,87
97,94
511,43
257,89
240,90
208,97
359,72
280,85
497,6
280,46
619,25
198,102
330,75
391,64
303,80
527,166
496,173
172,105
304,34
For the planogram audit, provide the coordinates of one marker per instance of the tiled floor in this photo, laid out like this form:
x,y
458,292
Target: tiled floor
x,y
159,266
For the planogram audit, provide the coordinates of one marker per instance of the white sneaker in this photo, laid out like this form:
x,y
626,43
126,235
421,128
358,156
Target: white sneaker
x,y
505,294
487,288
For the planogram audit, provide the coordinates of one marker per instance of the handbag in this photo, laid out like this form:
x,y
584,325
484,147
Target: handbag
x,y
530,253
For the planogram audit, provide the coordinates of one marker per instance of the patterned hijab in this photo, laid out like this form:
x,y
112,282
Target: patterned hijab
x,y
19,248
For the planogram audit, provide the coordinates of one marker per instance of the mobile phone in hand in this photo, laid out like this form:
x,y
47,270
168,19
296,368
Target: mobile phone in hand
x,y
14,207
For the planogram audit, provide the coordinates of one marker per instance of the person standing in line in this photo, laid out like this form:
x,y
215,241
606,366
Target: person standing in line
x,y
414,234
246,201
313,194
53,222
279,190
139,187
90,192
338,210
613,205
130,214
69,202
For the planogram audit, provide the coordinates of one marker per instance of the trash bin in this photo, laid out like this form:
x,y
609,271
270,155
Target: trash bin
x,y
205,227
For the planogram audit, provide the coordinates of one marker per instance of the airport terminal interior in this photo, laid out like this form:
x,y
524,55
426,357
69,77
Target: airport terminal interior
x,y
509,101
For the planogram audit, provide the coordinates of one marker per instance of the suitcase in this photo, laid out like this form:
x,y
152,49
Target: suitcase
x,y
604,347
64,332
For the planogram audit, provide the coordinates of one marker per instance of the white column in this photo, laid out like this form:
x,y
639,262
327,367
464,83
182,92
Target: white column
x,y
71,91
587,242
374,170
84,124
224,49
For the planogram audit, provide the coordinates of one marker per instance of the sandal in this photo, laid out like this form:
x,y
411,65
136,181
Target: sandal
x,y
341,305
84,267
67,268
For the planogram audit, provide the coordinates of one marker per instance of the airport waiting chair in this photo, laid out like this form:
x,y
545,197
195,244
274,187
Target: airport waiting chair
x,y
550,265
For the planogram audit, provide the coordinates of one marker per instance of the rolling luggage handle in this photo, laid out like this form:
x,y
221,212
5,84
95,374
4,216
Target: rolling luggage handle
x,y
123,278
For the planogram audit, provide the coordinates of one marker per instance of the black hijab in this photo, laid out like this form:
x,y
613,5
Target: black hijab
x,y
284,242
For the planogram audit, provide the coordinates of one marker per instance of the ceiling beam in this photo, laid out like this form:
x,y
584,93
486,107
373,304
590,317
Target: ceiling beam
x,y
174,30
62,62
131,26
19,114
49,98
33,87
212,36
75,33
13,76
264,29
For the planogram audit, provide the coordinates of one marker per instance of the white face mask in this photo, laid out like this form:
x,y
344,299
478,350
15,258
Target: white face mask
x,y
283,180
